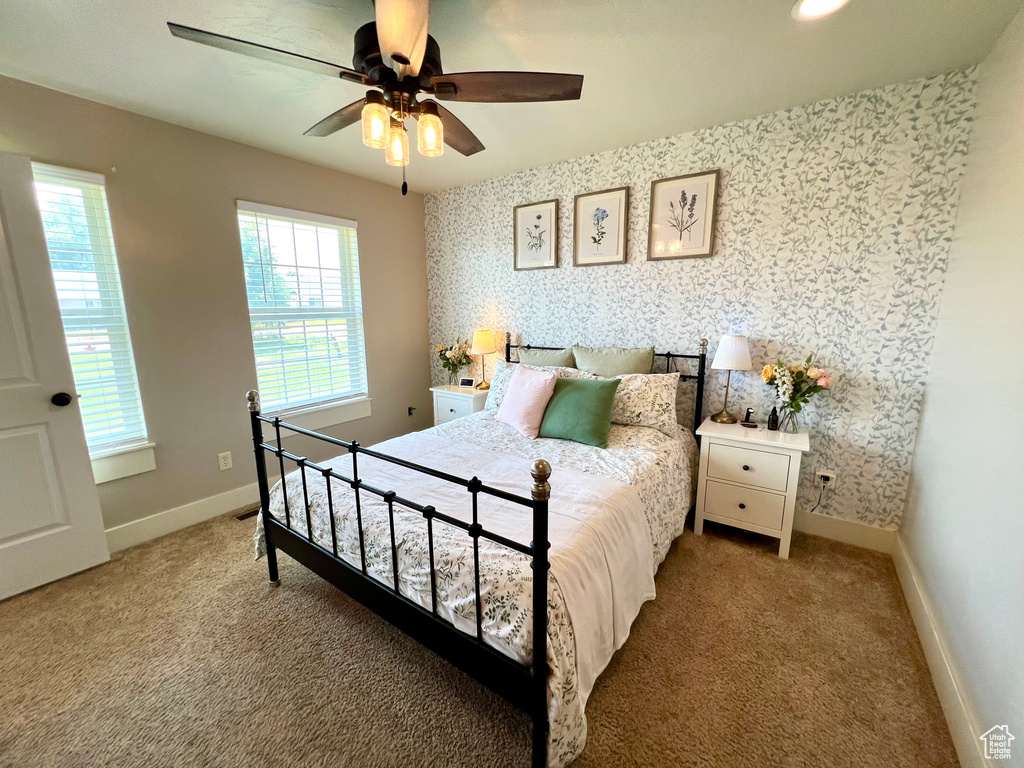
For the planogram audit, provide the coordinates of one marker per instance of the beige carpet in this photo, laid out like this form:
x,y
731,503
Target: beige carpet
x,y
178,653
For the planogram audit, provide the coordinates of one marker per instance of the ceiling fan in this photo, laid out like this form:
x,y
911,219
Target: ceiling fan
x,y
396,58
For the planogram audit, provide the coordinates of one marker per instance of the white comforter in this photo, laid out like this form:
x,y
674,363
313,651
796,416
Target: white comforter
x,y
613,515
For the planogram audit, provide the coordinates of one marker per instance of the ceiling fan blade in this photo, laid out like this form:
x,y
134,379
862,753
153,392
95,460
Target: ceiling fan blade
x,y
402,33
502,87
266,53
343,118
456,134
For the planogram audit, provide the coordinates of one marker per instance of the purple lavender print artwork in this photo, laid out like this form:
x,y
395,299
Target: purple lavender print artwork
x,y
682,216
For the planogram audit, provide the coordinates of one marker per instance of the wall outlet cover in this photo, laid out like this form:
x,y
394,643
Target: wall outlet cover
x,y
224,460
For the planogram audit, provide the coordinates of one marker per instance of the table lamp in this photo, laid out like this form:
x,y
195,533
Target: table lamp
x,y
483,345
733,354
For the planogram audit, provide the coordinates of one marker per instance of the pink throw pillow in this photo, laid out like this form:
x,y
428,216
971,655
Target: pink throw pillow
x,y
525,400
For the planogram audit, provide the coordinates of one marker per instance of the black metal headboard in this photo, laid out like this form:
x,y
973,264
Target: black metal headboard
x,y
698,408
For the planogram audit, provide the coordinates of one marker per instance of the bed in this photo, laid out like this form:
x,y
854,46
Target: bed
x,y
456,568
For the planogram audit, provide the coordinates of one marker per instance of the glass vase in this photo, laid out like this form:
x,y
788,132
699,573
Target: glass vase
x,y
788,421
453,377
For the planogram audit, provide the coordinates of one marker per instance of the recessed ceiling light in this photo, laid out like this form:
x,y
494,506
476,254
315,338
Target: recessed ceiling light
x,y
815,9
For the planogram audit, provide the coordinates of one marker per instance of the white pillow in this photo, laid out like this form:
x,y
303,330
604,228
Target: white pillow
x,y
526,399
647,400
503,373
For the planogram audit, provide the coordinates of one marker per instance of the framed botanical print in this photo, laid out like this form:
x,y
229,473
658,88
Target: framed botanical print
x,y
599,227
683,211
536,235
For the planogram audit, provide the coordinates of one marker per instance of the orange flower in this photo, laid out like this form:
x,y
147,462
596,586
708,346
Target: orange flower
x,y
768,373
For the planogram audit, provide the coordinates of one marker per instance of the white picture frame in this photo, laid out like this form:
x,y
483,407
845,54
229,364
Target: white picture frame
x,y
600,223
535,235
683,215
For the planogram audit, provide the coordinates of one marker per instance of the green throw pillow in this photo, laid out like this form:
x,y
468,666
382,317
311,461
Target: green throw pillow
x,y
580,410
614,361
559,358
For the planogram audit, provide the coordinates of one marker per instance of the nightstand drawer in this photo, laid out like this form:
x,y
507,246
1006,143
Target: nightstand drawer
x,y
744,504
448,407
750,466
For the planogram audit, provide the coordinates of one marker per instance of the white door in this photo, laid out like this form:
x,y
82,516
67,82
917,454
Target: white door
x,y
50,523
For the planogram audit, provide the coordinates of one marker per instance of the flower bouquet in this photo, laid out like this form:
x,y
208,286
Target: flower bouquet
x,y
794,386
454,358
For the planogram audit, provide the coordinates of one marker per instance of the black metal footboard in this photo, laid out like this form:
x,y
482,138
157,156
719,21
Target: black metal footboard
x,y
523,685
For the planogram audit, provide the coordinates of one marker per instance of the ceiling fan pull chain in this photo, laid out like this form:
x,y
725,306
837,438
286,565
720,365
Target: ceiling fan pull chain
x,y
405,186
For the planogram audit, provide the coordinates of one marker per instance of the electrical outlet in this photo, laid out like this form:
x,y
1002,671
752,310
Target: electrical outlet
x,y
825,476
224,460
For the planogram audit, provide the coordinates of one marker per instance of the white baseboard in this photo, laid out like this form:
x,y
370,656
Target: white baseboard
x,y
846,531
962,725
162,523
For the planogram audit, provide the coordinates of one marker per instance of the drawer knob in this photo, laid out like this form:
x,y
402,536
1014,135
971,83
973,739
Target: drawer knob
x,y
451,410
743,506
746,467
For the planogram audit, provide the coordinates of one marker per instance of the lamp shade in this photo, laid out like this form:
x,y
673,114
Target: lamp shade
x,y
483,342
733,354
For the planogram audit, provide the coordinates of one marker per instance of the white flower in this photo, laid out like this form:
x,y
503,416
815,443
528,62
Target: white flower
x,y
784,384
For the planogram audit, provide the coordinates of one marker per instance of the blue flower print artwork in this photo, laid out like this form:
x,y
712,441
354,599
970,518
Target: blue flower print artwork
x,y
600,227
536,235
600,214
683,216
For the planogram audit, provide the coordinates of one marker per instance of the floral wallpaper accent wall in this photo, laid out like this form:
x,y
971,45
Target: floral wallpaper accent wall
x,y
834,226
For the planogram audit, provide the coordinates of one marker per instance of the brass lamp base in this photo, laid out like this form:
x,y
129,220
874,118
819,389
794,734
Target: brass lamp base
x,y
724,417
483,374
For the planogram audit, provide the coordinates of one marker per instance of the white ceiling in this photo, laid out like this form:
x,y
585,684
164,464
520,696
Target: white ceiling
x,y
653,68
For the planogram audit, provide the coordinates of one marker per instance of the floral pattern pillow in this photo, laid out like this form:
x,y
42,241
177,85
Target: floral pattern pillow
x,y
503,374
647,400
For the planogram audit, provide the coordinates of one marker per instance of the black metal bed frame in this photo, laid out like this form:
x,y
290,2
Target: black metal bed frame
x,y
524,685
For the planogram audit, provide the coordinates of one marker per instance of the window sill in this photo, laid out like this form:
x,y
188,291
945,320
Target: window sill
x,y
124,463
321,416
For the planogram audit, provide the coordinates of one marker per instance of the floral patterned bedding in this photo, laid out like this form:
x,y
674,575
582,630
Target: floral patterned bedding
x,y
662,469
658,468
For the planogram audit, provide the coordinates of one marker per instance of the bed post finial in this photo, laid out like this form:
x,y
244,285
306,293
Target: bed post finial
x,y
703,346
508,346
254,400
541,471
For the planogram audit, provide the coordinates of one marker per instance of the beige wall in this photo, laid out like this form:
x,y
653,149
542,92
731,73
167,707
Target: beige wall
x,y
963,529
172,204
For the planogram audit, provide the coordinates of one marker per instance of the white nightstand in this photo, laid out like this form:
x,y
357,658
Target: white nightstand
x,y
454,402
748,479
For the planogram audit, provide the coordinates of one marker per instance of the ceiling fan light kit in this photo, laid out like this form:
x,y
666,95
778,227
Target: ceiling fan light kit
x,y
376,121
395,55
429,131
397,152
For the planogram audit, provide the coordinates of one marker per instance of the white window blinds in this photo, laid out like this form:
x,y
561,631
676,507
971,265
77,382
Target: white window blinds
x,y
305,308
76,223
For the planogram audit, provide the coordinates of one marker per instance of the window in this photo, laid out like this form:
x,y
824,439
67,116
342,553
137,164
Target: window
x,y
305,309
76,223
